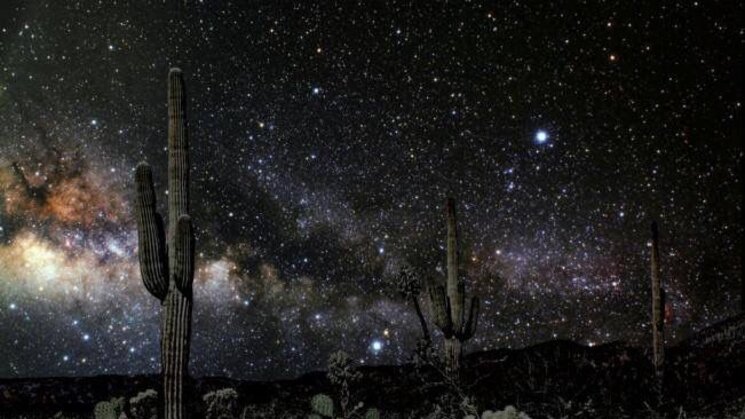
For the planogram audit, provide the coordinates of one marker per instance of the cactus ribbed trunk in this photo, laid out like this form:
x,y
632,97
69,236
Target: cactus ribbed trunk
x,y
175,341
174,349
170,278
455,288
658,307
449,302
453,353
178,154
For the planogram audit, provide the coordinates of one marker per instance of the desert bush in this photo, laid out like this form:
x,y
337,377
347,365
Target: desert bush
x,y
221,404
509,412
144,405
342,374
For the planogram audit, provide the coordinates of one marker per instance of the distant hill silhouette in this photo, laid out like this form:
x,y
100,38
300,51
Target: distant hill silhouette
x,y
703,376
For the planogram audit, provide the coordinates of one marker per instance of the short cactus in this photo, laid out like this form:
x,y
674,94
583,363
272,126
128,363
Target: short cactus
x,y
111,409
322,405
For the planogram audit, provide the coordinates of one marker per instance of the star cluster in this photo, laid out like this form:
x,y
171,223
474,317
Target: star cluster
x,y
325,139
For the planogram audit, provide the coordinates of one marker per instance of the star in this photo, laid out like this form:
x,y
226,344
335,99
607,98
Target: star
x,y
541,136
306,203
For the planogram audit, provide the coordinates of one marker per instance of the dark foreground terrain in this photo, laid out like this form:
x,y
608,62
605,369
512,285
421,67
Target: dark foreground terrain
x,y
703,379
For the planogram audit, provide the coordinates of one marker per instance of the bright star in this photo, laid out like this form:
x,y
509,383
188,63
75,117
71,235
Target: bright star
x,y
377,346
541,136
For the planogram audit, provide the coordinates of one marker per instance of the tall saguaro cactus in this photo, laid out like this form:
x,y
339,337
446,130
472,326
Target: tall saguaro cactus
x,y
168,274
658,306
449,302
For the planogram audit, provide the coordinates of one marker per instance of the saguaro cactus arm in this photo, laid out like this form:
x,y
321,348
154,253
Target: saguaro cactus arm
x,y
422,322
441,310
469,327
151,235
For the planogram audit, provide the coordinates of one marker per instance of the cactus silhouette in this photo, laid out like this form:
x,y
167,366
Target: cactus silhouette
x,y
658,306
109,409
449,302
168,272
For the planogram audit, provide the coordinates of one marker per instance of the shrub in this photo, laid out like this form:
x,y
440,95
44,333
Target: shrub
x,y
221,404
144,405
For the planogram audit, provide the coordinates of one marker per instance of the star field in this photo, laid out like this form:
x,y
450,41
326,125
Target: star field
x,y
324,142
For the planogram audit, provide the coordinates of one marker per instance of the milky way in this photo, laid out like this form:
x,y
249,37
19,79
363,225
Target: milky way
x,y
325,141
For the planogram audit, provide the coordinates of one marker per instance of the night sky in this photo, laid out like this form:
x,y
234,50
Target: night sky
x,y
324,142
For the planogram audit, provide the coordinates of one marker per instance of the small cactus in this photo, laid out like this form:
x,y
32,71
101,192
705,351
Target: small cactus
x,y
322,405
112,409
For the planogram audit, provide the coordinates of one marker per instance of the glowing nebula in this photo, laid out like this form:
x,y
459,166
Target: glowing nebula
x,y
62,190
37,267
